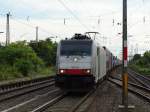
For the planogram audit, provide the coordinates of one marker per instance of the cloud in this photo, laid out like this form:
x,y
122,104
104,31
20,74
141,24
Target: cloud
x,y
49,16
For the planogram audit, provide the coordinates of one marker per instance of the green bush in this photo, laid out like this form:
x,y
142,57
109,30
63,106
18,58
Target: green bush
x,y
24,66
9,72
136,57
19,59
47,71
20,56
141,64
46,50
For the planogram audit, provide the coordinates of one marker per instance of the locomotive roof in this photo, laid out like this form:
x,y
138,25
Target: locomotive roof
x,y
71,40
76,41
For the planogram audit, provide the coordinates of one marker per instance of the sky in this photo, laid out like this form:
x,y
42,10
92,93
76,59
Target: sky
x,y
103,16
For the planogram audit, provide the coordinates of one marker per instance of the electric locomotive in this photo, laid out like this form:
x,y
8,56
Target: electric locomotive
x,y
80,63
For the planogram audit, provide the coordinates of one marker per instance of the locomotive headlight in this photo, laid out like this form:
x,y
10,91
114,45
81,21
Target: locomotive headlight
x,y
75,59
87,71
61,71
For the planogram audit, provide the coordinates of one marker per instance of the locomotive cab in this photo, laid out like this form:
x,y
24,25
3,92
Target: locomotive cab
x,y
74,64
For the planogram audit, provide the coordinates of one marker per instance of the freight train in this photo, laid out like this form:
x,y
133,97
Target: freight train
x,y
81,63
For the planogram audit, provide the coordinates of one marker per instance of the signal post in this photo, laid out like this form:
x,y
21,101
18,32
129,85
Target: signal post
x,y
125,105
125,55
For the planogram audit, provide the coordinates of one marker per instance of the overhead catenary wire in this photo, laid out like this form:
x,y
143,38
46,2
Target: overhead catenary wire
x,y
32,26
19,21
71,12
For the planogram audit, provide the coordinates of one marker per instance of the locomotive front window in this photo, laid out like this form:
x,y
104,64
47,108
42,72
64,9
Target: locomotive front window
x,y
81,48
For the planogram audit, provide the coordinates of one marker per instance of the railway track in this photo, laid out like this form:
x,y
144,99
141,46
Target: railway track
x,y
57,101
50,102
138,90
43,102
23,88
76,107
22,84
143,80
140,75
44,106
28,96
133,84
35,102
66,102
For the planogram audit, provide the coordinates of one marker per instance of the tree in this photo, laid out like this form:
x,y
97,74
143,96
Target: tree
x,y
21,56
46,50
24,66
136,57
147,58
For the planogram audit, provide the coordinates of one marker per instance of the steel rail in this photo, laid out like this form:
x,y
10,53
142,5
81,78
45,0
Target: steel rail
x,y
9,86
23,93
135,85
29,101
49,103
74,108
60,97
25,86
138,80
131,90
77,106
139,75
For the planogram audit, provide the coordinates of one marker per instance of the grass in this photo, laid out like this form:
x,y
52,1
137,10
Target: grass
x,y
9,74
46,71
141,70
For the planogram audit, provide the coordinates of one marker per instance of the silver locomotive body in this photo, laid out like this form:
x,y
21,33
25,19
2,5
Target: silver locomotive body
x,y
80,64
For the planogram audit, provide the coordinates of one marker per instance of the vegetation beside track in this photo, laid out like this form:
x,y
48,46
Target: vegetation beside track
x,y
140,63
22,59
